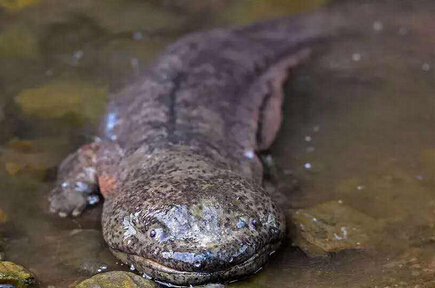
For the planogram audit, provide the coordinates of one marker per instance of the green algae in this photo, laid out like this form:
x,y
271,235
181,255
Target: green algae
x,y
117,279
63,99
18,41
13,274
248,11
15,5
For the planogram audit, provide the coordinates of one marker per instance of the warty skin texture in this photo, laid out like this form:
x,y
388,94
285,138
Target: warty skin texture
x,y
176,160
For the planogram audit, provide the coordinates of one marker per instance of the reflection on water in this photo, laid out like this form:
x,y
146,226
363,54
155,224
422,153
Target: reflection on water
x,y
358,128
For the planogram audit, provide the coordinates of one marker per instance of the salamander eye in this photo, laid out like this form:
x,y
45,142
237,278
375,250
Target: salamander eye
x,y
158,234
152,233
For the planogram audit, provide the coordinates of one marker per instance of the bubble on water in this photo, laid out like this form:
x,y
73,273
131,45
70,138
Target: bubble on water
x,y
378,26
138,35
425,67
77,56
308,138
356,57
102,268
360,187
308,166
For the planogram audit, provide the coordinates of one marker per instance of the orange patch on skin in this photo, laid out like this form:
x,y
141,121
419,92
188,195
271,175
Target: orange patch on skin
x,y
107,184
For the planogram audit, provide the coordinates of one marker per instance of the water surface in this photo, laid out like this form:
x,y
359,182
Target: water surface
x,y
357,128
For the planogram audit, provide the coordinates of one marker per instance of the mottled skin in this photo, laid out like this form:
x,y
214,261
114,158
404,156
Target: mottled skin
x,y
176,163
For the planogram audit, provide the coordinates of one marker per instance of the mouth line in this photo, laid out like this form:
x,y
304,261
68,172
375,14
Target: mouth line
x,y
268,248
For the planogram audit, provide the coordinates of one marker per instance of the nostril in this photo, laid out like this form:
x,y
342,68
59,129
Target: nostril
x,y
197,264
253,223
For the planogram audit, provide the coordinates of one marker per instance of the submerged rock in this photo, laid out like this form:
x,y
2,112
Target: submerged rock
x,y
16,275
83,250
34,157
17,4
117,279
3,217
330,227
63,99
1,248
18,41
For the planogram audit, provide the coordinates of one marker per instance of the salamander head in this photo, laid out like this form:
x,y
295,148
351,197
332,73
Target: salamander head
x,y
191,230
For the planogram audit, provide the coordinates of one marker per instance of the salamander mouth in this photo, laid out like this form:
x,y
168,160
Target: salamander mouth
x,y
172,277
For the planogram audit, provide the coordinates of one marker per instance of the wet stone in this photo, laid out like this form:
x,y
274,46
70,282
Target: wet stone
x,y
117,279
16,275
330,227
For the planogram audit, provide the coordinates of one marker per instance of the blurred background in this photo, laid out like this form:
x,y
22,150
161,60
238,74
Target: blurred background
x,y
354,163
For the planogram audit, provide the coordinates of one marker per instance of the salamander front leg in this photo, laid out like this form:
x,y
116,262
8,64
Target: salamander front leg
x,y
77,184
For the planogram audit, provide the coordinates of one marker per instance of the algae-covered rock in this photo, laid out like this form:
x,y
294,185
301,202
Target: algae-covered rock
x,y
13,274
244,12
17,4
117,279
330,227
214,286
18,41
59,99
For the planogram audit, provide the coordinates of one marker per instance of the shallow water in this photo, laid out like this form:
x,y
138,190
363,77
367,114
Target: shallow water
x,y
357,129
